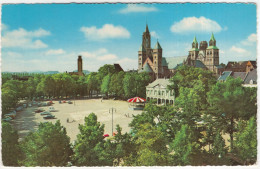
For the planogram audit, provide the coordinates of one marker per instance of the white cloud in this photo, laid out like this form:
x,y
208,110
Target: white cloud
x,y
193,24
22,38
127,64
154,34
4,27
238,50
108,31
134,8
101,54
55,52
107,57
251,40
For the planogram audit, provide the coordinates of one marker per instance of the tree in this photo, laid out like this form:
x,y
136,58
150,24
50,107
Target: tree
x,y
116,84
105,84
142,80
129,85
187,77
224,99
184,147
151,146
246,141
93,83
219,148
11,152
88,143
48,146
105,70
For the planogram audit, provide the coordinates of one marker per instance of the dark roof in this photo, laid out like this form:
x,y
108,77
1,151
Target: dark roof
x,y
157,46
118,68
240,64
253,63
241,75
146,68
225,75
198,63
252,75
164,63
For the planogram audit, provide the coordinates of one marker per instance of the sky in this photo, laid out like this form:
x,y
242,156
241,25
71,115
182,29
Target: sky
x,y
49,37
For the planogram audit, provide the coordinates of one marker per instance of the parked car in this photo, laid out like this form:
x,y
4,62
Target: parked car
x,y
60,101
44,104
51,109
45,113
24,105
7,119
38,110
64,101
70,102
49,116
9,115
29,105
19,108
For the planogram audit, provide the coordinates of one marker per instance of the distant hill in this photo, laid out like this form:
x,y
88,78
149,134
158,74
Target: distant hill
x,y
34,72
84,71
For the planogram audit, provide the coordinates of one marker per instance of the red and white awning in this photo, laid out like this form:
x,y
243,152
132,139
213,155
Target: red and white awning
x,y
136,100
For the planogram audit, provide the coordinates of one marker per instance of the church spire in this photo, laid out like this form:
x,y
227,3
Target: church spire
x,y
195,40
146,29
212,37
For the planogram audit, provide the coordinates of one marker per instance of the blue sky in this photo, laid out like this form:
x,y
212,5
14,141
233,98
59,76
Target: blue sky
x,y
51,36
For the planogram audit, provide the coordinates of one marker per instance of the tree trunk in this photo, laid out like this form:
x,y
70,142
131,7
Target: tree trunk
x,y
231,133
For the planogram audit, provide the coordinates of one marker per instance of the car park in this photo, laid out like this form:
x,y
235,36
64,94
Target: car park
x,y
29,105
69,102
39,110
49,116
45,113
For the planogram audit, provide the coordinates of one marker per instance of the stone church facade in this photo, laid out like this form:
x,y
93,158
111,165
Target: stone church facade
x,y
207,54
151,60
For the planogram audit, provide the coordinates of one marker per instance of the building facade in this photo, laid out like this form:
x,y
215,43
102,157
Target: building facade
x,y
150,59
159,92
206,54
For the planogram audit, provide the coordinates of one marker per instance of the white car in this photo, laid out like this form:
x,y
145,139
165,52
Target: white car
x,y
51,109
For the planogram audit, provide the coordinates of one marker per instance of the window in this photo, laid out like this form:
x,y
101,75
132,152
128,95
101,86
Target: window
x,y
155,92
159,92
162,93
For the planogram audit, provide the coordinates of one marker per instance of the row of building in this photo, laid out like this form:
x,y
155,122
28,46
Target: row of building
x,y
202,55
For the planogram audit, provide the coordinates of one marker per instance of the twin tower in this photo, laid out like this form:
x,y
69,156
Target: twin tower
x,y
150,60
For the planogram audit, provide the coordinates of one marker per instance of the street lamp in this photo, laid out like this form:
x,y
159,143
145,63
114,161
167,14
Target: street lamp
x,y
112,110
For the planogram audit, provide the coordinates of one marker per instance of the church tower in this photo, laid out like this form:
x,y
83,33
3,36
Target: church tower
x,y
146,39
193,53
157,60
212,54
141,57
